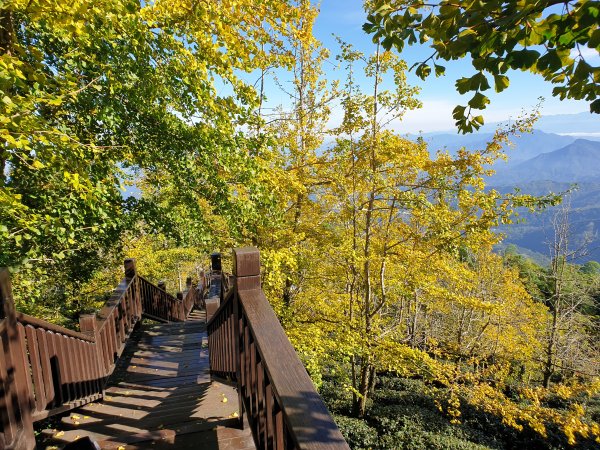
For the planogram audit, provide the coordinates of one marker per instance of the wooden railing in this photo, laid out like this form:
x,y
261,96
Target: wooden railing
x,y
46,369
247,344
159,305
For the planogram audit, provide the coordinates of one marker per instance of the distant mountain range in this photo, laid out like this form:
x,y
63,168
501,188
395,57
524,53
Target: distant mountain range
x,y
576,162
525,146
561,152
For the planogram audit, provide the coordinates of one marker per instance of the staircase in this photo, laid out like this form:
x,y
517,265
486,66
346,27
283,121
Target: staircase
x,y
228,381
160,396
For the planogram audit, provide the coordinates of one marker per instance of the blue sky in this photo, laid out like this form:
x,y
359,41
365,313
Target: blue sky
x,y
345,18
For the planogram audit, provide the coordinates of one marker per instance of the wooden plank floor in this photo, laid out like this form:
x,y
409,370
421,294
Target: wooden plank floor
x,y
160,397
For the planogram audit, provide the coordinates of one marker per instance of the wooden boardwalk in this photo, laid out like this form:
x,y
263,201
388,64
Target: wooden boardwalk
x,y
160,396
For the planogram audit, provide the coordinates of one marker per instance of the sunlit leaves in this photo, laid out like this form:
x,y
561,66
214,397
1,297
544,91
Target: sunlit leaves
x,y
557,44
95,94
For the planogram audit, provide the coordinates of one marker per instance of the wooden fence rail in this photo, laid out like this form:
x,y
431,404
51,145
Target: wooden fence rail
x,y
247,344
46,369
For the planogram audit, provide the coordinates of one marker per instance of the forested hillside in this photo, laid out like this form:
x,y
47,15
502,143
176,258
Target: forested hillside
x,y
377,251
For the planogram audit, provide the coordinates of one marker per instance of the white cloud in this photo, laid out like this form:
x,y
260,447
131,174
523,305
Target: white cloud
x,y
435,115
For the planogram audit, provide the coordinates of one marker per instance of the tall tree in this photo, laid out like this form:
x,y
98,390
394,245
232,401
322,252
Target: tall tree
x,y
570,342
298,130
393,219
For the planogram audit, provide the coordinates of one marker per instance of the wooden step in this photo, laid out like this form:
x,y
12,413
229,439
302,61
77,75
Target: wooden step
x,y
160,396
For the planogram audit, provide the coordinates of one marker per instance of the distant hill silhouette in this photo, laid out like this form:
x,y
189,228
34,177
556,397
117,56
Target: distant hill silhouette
x,y
551,159
579,161
524,147
535,232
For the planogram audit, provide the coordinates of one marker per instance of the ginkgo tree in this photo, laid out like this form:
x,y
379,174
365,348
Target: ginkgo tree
x,y
557,39
393,220
297,131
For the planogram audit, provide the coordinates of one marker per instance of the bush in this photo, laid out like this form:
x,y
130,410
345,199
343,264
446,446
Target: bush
x,y
414,435
357,432
338,400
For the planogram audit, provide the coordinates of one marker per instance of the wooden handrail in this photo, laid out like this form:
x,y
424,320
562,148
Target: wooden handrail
x,y
227,297
48,326
248,344
46,369
158,304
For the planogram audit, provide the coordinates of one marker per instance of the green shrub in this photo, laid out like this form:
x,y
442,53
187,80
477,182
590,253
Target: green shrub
x,y
338,400
414,435
357,432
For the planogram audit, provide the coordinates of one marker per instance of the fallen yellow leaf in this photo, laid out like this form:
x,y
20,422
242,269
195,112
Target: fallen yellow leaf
x,y
74,417
120,447
59,434
224,400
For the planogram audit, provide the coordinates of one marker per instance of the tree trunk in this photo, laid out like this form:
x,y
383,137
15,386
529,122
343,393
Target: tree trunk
x,y
7,37
359,406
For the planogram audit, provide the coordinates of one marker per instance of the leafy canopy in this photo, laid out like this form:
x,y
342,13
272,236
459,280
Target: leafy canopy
x,y
96,93
552,38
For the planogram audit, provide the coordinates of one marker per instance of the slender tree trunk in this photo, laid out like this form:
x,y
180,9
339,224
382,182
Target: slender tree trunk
x,y
372,379
359,406
551,347
7,37
415,321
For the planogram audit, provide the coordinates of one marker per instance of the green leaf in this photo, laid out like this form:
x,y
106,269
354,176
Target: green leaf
x,y
479,101
550,62
459,112
463,85
594,41
501,82
423,71
479,82
523,59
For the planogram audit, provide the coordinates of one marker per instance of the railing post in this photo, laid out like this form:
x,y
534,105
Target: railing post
x,y
88,324
246,276
215,261
214,297
181,307
246,268
130,274
162,285
15,403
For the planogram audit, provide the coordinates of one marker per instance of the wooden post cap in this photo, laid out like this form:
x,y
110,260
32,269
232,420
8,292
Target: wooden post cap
x,y
215,261
87,323
7,306
246,262
129,265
